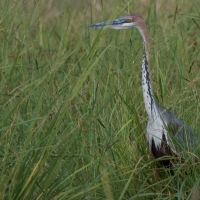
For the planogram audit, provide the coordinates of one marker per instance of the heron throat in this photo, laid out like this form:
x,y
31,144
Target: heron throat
x,y
146,86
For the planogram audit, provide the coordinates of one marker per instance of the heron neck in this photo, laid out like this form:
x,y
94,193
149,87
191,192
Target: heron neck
x,y
146,81
146,39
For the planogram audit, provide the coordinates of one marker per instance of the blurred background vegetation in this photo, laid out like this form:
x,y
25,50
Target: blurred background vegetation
x,y
72,122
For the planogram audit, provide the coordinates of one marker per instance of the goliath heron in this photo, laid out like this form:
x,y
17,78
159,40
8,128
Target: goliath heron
x,y
167,135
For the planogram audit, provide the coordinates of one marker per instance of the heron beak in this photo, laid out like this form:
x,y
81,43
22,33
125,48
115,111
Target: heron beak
x,y
101,24
121,23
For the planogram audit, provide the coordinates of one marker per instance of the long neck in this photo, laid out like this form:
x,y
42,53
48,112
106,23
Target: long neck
x,y
146,83
146,87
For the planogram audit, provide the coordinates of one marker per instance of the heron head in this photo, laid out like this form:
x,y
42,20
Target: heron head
x,y
128,21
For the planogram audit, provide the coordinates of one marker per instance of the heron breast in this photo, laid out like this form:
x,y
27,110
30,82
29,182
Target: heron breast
x,y
162,150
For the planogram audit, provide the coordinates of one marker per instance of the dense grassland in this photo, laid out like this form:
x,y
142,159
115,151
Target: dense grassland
x,y
72,122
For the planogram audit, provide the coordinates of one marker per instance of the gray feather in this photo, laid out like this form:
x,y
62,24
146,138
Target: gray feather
x,y
180,136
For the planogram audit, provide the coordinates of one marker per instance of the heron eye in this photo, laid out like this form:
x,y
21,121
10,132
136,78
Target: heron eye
x,y
129,20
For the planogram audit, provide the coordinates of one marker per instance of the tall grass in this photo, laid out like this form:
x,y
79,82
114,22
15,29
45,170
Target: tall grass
x,y
72,115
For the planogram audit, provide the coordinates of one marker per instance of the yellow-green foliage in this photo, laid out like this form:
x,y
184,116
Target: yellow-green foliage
x,y
72,121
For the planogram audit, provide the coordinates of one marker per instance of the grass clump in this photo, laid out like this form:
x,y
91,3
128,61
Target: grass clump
x,y
72,123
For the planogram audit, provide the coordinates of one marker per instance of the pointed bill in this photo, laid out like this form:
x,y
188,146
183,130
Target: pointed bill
x,y
121,23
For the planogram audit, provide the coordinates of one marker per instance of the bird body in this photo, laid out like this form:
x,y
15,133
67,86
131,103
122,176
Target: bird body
x,y
166,134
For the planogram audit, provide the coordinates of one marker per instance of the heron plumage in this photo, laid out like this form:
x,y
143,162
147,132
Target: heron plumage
x,y
166,134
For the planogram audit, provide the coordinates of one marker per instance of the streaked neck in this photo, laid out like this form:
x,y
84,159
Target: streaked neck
x,y
146,81
146,87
